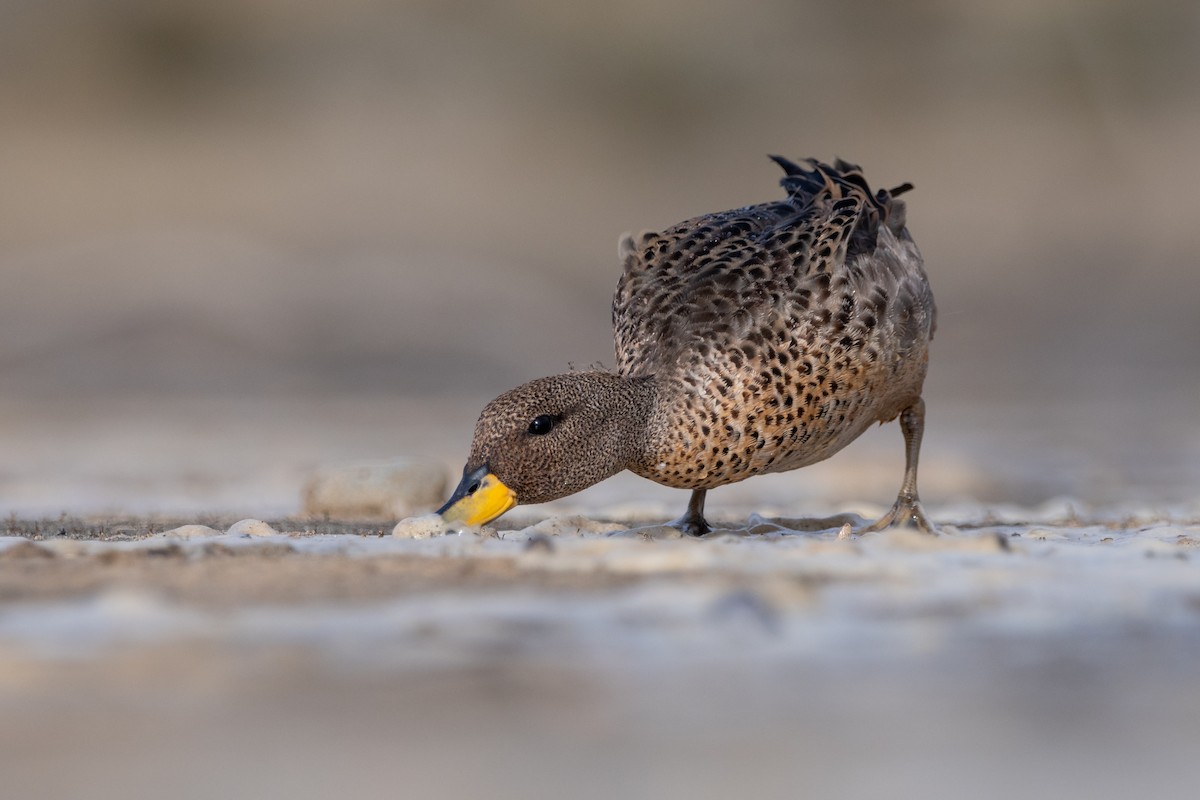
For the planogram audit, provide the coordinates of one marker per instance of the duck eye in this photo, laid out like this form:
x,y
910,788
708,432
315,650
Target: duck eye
x,y
541,425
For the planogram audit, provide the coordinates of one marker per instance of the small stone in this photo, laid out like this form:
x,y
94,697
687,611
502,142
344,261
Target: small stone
x,y
375,490
423,527
845,532
251,527
191,532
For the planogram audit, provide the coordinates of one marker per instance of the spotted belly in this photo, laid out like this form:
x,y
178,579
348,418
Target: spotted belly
x,y
732,419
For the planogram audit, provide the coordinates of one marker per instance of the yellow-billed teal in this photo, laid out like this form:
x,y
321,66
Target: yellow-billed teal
x,y
760,339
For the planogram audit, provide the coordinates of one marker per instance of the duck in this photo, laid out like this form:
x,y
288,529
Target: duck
x,y
756,340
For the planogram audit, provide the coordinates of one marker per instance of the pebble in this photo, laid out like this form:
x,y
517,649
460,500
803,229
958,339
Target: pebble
x,y
191,532
423,527
391,489
251,527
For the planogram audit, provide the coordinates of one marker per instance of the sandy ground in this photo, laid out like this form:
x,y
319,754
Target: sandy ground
x,y
1046,651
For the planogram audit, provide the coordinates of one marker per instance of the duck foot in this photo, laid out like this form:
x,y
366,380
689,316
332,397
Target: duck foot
x,y
692,523
691,527
905,513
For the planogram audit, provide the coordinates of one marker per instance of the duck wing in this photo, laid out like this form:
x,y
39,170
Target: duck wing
x,y
713,280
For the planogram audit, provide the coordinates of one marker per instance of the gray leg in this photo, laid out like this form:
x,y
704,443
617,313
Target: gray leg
x,y
907,509
692,522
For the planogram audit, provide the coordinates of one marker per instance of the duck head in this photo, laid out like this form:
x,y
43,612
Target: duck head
x,y
550,438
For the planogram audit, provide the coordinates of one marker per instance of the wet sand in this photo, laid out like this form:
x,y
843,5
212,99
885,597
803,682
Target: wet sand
x,y
1043,652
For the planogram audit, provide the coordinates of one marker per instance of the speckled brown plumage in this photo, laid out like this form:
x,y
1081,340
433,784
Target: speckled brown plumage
x,y
755,340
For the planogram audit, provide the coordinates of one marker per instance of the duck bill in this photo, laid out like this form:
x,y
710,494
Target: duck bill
x,y
479,499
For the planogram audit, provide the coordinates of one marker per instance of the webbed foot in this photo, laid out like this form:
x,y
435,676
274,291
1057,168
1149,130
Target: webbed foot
x,y
692,526
905,513
692,523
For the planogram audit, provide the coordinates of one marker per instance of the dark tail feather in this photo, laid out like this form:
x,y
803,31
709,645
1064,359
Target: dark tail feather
x,y
789,167
845,180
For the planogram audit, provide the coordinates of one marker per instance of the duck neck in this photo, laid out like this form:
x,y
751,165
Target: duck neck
x,y
642,395
636,398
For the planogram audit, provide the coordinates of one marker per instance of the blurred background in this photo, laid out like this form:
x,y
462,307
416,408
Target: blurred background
x,y
241,239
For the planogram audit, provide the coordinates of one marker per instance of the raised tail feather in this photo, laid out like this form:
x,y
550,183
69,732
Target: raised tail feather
x,y
822,183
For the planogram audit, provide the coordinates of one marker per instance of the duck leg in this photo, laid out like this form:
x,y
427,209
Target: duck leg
x,y
692,523
907,508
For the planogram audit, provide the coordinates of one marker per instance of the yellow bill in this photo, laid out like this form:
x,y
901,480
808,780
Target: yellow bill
x,y
479,499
